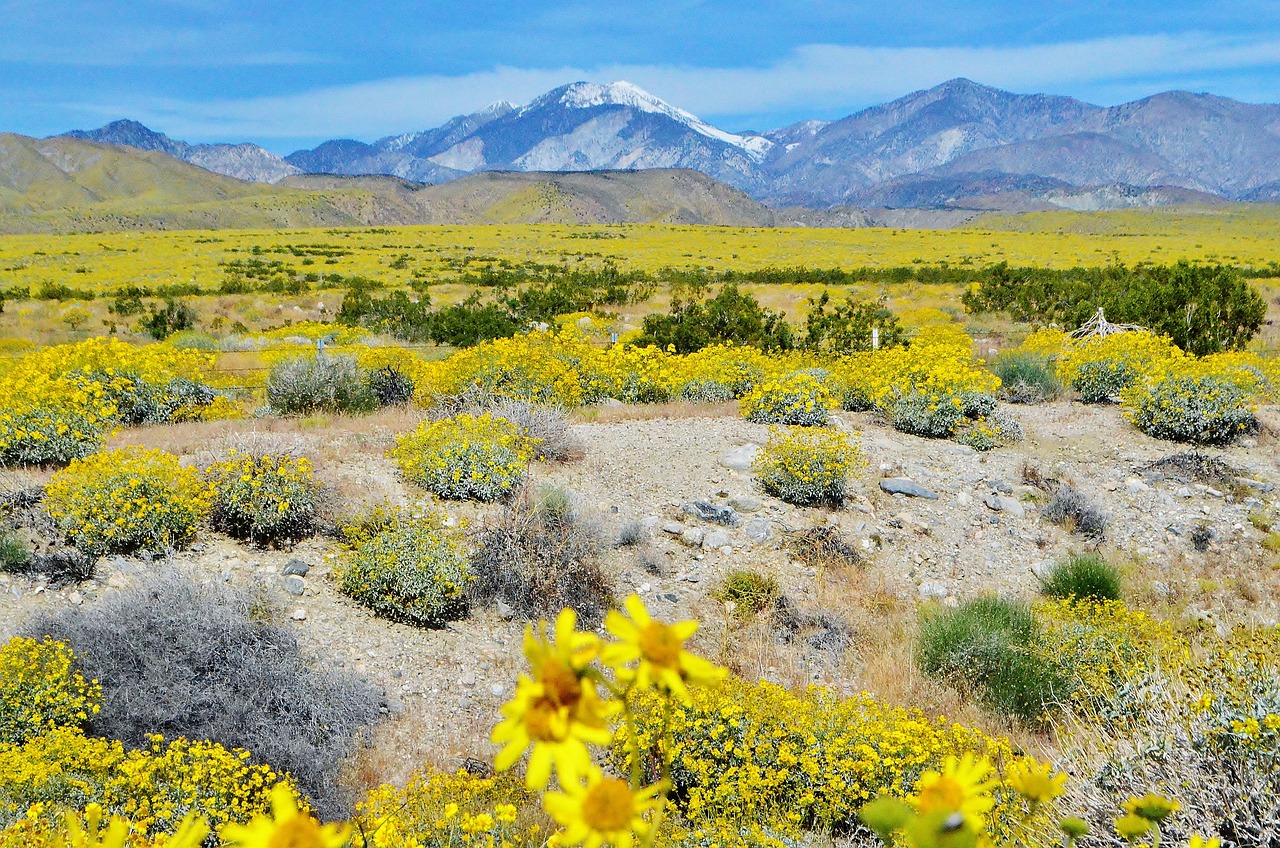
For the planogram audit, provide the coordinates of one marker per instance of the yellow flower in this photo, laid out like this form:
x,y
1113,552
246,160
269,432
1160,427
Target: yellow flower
x,y
1198,841
961,787
1152,807
1035,781
557,710
287,828
1131,826
659,647
604,809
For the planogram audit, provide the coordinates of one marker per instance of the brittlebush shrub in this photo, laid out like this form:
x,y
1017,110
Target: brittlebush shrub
x,y
1100,368
127,500
807,467
154,786
436,808
759,753
40,689
406,568
800,398
264,498
467,457
1200,408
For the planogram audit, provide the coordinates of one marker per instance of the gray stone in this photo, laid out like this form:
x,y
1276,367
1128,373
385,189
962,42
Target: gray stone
x,y
692,536
933,590
964,498
1000,486
741,458
468,679
716,514
906,486
296,566
294,585
669,597
675,528
715,539
1134,486
758,530
298,615
1256,485
505,612
1009,506
497,689
1184,492
746,503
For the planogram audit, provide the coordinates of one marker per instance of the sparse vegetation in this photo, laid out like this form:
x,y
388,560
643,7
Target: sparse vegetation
x,y
749,592
319,384
1026,378
1084,577
1070,509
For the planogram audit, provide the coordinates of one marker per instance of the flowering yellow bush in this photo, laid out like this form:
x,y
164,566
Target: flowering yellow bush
x,y
807,467
154,787
40,689
1099,368
1204,402
265,498
798,398
541,367
409,568
61,401
126,500
480,457
437,809
721,372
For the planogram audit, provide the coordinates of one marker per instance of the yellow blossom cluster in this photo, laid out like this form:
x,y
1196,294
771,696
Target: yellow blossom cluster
x,y
265,498
126,500
40,689
154,788
436,808
480,457
800,398
805,466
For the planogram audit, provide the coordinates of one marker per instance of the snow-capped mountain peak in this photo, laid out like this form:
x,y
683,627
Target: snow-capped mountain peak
x,y
587,95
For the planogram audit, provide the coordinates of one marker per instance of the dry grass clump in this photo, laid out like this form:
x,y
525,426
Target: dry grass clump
x,y
207,662
823,548
1069,508
540,556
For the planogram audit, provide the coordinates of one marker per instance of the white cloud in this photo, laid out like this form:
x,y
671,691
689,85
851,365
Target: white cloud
x,y
820,78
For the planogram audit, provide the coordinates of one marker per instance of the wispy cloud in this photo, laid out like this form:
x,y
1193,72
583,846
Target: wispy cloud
x,y
817,79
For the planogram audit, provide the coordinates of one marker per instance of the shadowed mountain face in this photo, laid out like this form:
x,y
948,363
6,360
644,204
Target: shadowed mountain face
x,y
950,145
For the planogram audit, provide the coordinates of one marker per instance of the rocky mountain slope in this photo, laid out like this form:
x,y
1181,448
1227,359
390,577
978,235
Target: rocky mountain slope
x,y
957,145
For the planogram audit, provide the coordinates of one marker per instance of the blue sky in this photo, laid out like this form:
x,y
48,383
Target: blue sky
x,y
288,75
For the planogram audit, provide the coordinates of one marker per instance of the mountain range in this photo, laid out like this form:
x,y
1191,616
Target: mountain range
x,y
957,145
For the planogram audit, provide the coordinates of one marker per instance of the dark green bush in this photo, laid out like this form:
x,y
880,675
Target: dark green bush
x,y
1085,577
847,327
989,646
163,322
729,317
15,557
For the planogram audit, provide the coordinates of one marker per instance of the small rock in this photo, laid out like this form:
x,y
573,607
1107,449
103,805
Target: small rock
x,y
964,498
76,598
707,511
675,528
468,679
692,536
906,486
505,612
1134,486
1209,490
295,585
650,523
933,590
296,566
298,615
1009,506
669,597
1256,485
1000,486
746,503
497,689
1184,492
715,539
741,458
758,530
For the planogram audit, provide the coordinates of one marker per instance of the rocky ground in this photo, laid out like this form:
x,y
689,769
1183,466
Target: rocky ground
x,y
934,521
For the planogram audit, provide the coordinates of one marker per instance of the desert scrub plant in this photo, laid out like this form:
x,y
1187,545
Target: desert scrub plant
x,y
153,785
749,591
466,457
127,500
15,556
390,386
405,567
989,645
807,467
1199,407
823,547
206,662
546,427
1026,377
540,556
321,383
40,689
990,431
1086,577
1070,509
1102,367
265,498
798,398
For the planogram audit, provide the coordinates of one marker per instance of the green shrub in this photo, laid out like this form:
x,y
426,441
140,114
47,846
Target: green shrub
x,y
267,499
127,500
989,431
407,568
798,398
1026,377
1103,381
319,384
14,555
390,386
749,591
466,457
848,326
807,467
1085,577
729,317
989,645
931,416
1202,409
